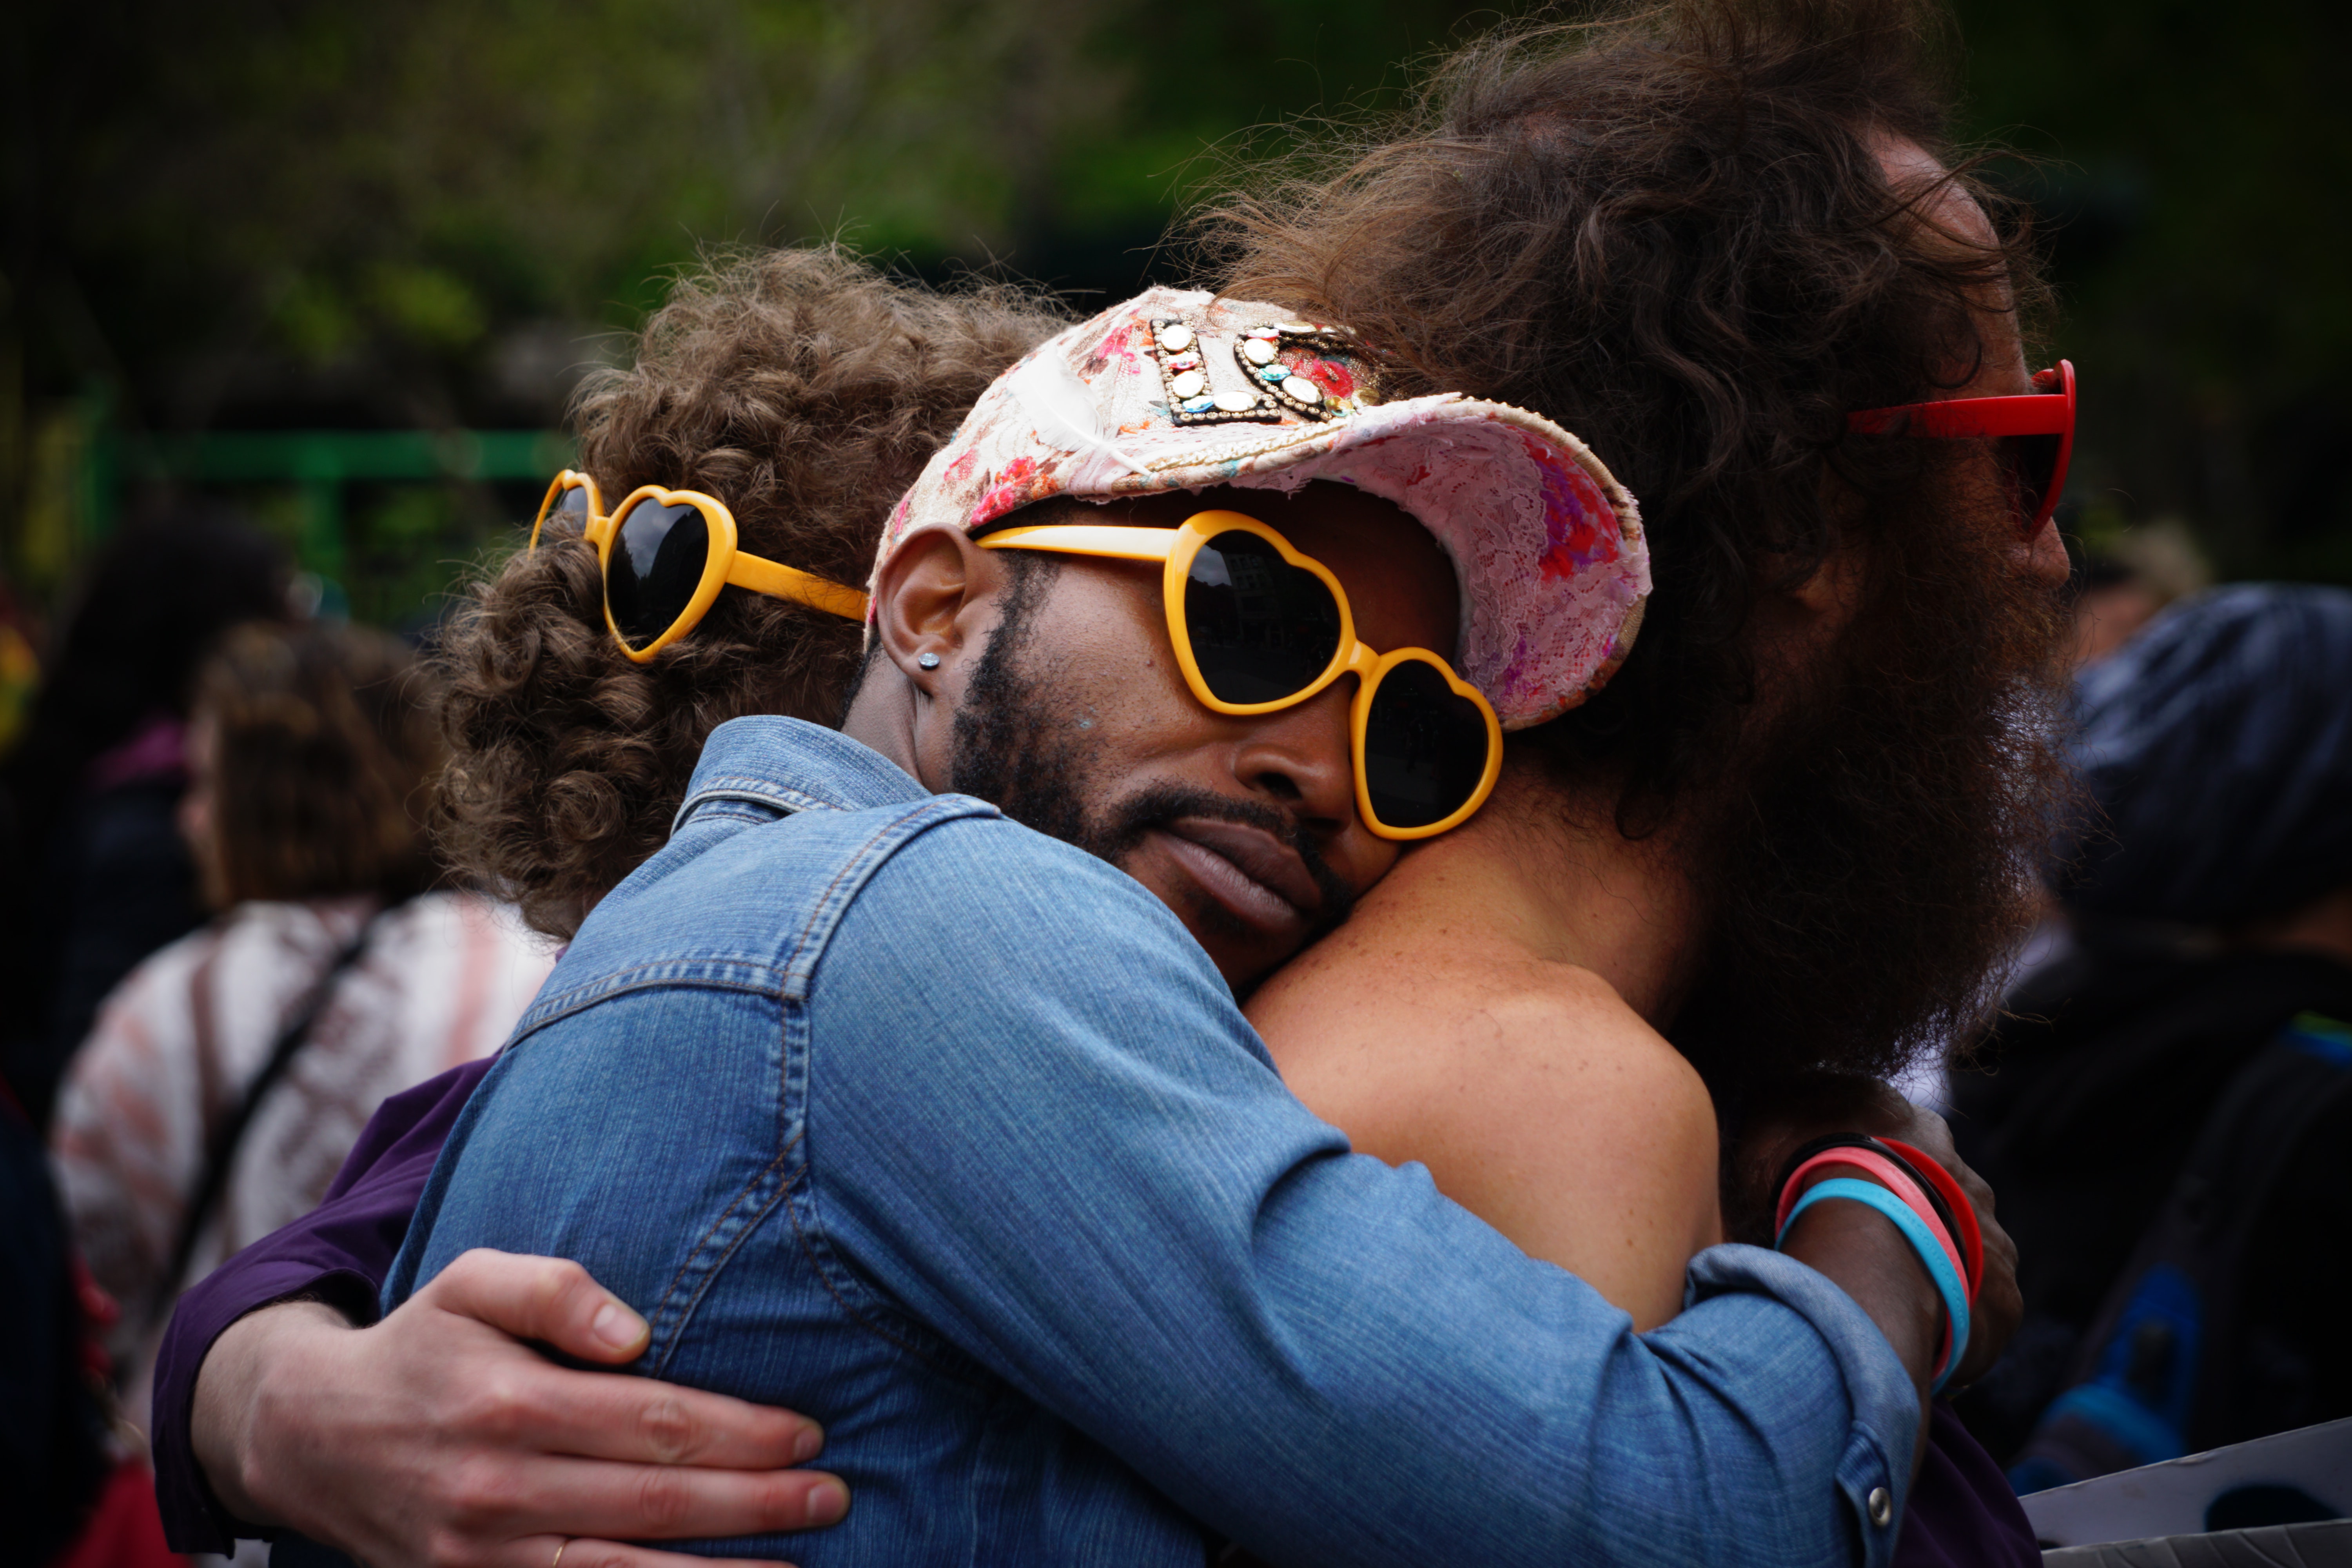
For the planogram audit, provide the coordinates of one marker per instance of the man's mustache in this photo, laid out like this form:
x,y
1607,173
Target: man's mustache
x,y
1161,805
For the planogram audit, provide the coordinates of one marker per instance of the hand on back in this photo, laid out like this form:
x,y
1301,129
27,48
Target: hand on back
x,y
439,1438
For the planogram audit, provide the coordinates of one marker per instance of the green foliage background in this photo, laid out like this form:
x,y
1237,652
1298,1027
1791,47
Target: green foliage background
x,y
284,214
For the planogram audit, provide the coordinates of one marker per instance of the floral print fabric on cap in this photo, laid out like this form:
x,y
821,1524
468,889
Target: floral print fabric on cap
x,y
1178,390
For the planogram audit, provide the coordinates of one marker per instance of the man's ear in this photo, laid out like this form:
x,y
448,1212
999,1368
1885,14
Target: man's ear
x,y
936,595
1795,622
1833,593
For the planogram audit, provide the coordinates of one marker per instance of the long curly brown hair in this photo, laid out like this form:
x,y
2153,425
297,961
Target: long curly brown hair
x,y
805,388
1669,229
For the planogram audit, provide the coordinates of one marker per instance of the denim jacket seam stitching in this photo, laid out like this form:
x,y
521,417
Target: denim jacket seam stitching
x,y
765,792
821,906
703,1241
645,976
824,1265
885,841
767,783
731,808
726,1256
858,1302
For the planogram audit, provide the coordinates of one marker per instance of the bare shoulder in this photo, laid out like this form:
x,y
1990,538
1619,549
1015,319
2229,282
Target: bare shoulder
x,y
1491,1031
1535,1095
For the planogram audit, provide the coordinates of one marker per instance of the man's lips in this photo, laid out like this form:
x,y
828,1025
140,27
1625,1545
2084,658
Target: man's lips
x,y
1248,869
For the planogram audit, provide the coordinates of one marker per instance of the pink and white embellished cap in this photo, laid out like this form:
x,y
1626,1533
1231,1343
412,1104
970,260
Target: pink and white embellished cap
x,y
1175,390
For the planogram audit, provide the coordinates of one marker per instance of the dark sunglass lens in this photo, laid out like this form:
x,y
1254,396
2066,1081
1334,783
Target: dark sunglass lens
x,y
656,565
1261,628
1424,747
572,503
2030,462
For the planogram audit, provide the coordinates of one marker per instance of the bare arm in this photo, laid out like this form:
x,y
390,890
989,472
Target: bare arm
x,y
435,1437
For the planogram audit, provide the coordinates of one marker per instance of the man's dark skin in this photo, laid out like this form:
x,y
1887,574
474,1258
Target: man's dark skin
x,y
450,1444
1100,642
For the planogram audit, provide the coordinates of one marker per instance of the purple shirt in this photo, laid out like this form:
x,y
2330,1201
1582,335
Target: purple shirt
x,y
339,1253
1961,1511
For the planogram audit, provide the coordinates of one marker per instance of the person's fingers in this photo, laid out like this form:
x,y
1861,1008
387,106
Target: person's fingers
x,y
551,1300
538,1551
1998,1307
1927,1132
525,1399
645,1502
525,1402
2002,1302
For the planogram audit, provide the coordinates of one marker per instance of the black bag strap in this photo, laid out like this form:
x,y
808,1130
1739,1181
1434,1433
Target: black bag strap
x,y
221,1148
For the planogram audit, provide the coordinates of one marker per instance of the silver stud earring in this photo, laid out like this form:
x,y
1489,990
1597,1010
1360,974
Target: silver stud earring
x,y
927,660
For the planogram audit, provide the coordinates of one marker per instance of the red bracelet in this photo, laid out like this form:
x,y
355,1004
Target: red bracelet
x,y
1964,1213
1893,1175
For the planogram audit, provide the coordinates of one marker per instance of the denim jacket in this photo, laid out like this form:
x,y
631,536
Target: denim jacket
x,y
884,1108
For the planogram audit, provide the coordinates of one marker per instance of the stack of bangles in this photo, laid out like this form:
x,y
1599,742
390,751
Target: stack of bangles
x,y
1925,1204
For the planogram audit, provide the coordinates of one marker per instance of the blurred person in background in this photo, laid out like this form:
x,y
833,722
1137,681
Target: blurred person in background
x,y
229,1075
2123,585
94,876
54,1452
2167,1113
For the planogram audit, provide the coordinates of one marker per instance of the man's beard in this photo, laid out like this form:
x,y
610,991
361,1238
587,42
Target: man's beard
x,y
1868,855
1019,750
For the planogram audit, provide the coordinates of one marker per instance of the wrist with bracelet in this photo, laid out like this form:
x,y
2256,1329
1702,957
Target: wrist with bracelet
x,y
1918,1198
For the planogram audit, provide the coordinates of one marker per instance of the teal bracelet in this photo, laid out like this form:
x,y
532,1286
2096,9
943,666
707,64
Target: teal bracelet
x,y
1933,1256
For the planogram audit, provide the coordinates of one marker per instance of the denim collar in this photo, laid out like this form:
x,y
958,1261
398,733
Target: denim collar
x,y
793,766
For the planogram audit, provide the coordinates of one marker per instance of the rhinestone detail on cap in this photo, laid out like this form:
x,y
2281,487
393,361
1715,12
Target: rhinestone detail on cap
x,y
1257,353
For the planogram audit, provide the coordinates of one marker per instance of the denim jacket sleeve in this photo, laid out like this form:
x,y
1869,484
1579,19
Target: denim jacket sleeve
x,y
1057,1141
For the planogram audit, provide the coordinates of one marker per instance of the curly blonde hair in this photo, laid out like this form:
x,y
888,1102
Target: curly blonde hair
x,y
806,389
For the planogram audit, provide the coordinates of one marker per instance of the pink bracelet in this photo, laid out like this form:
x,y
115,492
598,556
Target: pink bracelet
x,y
1902,1184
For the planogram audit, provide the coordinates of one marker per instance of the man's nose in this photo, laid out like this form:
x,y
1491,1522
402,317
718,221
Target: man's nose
x,y
1300,760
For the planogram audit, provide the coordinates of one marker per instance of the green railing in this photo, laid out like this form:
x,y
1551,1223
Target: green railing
x,y
320,462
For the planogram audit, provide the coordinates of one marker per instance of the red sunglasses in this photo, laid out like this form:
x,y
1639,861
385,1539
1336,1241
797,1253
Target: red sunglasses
x,y
2035,432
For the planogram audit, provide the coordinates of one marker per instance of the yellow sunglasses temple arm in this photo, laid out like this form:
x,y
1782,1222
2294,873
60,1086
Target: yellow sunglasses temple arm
x,y
781,582
1089,539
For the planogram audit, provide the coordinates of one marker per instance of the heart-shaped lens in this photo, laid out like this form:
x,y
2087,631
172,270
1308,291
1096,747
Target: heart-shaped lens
x,y
1424,747
571,503
656,565
1261,629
